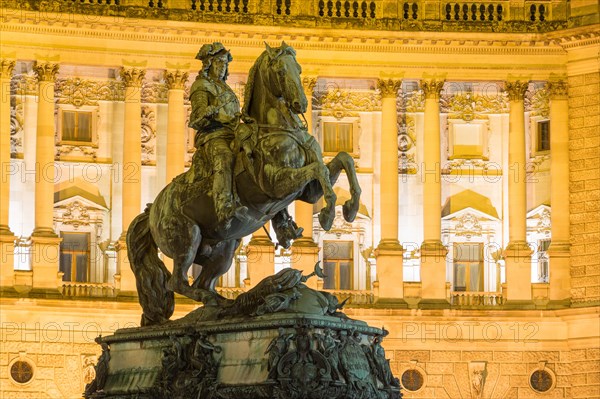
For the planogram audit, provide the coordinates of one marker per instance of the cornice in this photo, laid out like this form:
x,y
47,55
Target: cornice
x,y
485,43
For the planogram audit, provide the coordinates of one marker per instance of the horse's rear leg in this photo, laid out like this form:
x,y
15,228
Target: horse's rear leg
x,y
214,266
183,249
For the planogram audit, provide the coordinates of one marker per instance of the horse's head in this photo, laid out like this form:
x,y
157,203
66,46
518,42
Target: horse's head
x,y
284,77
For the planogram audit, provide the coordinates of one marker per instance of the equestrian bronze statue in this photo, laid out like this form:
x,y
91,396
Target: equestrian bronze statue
x,y
248,167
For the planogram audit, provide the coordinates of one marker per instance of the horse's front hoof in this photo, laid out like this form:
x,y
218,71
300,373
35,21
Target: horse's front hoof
x,y
326,219
350,209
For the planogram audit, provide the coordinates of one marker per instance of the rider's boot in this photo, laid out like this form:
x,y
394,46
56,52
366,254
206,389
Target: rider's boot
x,y
285,228
223,197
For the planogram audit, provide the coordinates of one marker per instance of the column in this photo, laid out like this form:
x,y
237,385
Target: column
x,y
45,243
176,129
389,251
517,254
132,167
260,257
305,252
433,252
7,238
559,251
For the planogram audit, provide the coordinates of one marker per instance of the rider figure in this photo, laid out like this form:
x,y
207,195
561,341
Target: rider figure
x,y
215,117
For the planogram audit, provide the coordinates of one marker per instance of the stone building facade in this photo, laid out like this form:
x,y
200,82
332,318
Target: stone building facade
x,y
474,127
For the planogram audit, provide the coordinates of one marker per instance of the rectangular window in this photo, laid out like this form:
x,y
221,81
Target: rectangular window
x,y
338,264
543,136
467,140
468,267
75,256
76,126
543,261
337,137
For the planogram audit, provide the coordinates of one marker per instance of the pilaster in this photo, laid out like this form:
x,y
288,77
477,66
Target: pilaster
x,y
559,251
176,129
132,168
389,251
517,254
6,68
433,252
304,211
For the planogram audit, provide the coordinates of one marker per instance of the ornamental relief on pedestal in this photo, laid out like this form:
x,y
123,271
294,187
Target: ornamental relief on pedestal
x,y
148,139
341,103
17,119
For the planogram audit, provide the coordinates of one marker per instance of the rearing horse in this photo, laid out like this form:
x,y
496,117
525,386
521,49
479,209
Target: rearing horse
x,y
277,163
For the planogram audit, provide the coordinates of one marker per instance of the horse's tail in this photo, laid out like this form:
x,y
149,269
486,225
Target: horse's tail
x,y
158,302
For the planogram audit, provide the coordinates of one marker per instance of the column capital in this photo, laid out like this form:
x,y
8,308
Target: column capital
x,y
46,71
6,68
432,87
389,87
309,83
558,89
516,89
176,79
133,77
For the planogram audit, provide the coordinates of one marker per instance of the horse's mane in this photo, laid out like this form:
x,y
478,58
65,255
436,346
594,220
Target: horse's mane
x,y
249,89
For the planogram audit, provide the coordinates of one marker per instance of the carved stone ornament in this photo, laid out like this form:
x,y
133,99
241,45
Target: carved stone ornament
x,y
78,92
414,101
176,79
76,215
16,126
469,106
132,77
342,103
537,102
309,83
46,71
148,132
477,374
516,89
544,224
558,89
389,87
76,150
154,92
468,225
6,68
24,84
432,88
88,365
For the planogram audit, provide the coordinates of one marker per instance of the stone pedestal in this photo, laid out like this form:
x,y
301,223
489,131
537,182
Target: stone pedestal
x,y
390,272
7,260
285,355
433,272
517,256
45,256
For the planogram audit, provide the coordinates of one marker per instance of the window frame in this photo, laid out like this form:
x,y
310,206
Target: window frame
x,y
483,132
337,265
354,121
93,111
74,253
480,262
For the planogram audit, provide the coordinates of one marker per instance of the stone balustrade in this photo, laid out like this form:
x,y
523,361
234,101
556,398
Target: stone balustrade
x,y
416,15
88,290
